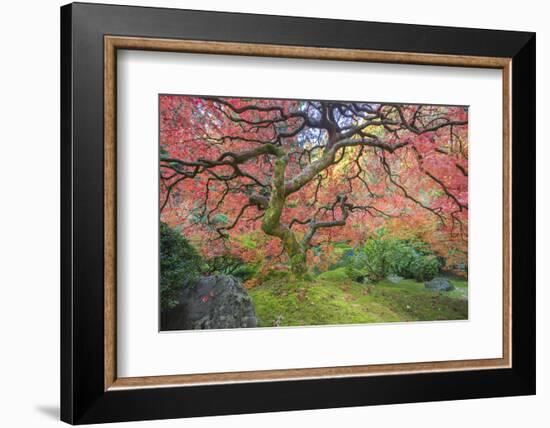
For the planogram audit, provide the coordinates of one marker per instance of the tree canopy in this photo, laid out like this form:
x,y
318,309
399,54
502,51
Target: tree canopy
x,y
273,179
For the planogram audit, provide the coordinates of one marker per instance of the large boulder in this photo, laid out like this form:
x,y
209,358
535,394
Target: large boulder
x,y
439,284
213,302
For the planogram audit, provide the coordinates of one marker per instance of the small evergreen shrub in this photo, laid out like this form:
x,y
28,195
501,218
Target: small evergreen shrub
x,y
231,265
180,265
381,256
424,268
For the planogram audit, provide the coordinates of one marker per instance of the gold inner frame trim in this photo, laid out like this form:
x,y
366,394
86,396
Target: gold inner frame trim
x,y
113,43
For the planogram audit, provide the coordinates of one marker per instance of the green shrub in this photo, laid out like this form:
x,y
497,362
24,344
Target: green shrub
x,y
424,268
180,265
246,271
381,256
358,275
231,265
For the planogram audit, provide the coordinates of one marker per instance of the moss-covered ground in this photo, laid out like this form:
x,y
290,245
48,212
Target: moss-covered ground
x,y
332,298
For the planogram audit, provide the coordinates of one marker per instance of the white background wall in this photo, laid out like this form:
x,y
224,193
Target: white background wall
x,y
29,213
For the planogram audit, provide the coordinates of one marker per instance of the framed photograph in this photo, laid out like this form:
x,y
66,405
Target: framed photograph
x,y
265,213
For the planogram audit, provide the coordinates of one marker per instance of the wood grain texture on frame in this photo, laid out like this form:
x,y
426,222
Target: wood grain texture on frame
x,y
112,43
110,186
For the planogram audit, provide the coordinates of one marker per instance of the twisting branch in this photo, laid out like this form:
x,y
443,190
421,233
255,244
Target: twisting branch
x,y
316,225
392,177
443,186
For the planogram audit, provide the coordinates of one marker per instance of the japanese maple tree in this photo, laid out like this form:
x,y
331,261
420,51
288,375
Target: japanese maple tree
x,y
310,173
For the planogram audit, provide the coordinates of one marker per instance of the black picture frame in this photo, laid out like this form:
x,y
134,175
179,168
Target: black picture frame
x,y
83,398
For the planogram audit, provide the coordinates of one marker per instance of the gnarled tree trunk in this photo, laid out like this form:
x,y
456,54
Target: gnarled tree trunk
x,y
271,223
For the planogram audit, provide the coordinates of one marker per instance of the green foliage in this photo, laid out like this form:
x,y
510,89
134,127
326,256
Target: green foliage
x,y
277,274
423,268
357,275
381,256
180,265
231,265
247,271
248,242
